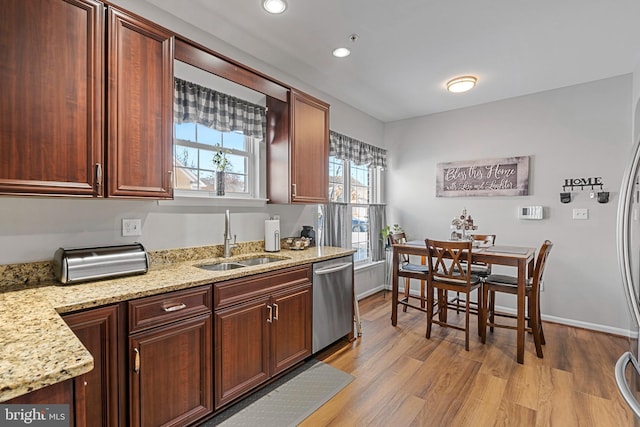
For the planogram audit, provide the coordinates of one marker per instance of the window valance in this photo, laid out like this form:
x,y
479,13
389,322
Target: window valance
x,y
346,148
225,113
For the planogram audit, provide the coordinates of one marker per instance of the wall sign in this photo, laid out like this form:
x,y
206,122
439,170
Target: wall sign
x,y
508,176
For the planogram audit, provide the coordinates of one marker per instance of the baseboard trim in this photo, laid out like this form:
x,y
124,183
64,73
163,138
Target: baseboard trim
x,y
554,319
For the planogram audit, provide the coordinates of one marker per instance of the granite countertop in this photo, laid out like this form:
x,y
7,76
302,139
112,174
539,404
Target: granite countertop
x,y
37,348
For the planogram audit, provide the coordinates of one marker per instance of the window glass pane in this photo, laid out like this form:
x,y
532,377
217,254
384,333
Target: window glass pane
x,y
237,164
186,179
186,156
186,131
206,159
207,181
360,184
336,180
208,135
235,141
235,183
360,232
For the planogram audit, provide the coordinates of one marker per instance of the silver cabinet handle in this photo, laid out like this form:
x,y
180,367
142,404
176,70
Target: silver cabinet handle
x,y
275,316
170,179
98,174
270,316
294,191
136,361
174,307
621,380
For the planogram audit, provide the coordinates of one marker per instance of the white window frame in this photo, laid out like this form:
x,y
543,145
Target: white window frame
x,y
376,196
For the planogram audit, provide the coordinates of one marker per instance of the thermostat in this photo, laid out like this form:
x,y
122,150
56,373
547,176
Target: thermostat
x,y
530,212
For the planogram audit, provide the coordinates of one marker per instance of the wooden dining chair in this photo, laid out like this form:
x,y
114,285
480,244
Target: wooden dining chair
x,y
447,273
408,271
480,269
509,285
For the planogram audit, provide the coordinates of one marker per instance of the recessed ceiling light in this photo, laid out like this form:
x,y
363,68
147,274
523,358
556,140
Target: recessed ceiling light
x,y
341,52
461,84
274,6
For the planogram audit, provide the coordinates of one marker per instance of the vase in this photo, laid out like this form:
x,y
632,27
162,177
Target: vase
x,y
220,178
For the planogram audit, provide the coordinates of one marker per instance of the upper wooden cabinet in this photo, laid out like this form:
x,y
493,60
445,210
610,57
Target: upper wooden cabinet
x,y
53,81
140,108
51,133
298,150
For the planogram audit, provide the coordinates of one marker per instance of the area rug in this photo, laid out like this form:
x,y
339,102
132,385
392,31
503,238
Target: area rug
x,y
287,401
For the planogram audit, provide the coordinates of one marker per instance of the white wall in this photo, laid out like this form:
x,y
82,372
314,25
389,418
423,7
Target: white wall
x,y
573,132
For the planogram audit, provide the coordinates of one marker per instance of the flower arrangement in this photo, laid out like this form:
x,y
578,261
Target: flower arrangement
x,y
464,223
387,231
220,160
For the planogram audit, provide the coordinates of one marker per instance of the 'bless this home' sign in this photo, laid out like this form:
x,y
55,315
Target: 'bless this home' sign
x,y
489,177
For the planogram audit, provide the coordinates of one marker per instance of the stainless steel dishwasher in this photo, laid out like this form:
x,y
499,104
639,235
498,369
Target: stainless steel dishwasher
x,y
332,301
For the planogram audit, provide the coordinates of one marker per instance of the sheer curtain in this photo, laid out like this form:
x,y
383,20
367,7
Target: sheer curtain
x,y
377,220
225,113
336,224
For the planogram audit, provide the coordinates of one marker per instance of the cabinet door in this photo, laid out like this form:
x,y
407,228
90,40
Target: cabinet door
x,y
140,108
51,85
309,149
291,327
170,373
97,330
241,349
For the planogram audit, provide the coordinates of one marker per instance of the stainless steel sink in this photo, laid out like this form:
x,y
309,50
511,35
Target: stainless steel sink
x,y
231,265
259,260
222,266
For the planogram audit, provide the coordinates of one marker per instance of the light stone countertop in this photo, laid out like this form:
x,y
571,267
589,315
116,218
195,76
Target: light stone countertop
x,y
37,348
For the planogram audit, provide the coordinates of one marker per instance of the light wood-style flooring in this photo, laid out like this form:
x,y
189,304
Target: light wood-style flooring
x,y
404,379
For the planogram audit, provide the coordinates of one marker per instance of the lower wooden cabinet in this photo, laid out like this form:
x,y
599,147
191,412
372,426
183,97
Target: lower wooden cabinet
x,y
170,382
263,334
97,329
63,393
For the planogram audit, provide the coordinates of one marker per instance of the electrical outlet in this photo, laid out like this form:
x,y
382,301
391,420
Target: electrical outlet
x,y
581,213
131,227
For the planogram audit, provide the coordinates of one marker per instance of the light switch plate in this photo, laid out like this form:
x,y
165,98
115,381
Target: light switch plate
x,y
581,213
131,227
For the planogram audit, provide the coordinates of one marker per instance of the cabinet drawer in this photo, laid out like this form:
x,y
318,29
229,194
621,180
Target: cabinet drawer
x,y
166,308
246,288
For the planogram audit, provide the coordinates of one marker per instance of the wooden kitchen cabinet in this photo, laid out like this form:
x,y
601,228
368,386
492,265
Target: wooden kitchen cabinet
x,y
298,150
140,108
53,89
97,329
262,327
170,358
51,83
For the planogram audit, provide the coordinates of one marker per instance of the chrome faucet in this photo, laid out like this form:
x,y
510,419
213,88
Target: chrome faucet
x,y
227,235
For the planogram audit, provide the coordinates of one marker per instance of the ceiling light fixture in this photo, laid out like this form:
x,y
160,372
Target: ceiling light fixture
x,y
341,52
461,84
274,6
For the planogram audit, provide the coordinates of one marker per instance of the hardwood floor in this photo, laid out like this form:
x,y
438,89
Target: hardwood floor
x,y
404,379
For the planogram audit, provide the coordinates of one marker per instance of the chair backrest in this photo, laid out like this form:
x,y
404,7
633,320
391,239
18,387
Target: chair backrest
x,y
400,238
541,261
484,238
447,261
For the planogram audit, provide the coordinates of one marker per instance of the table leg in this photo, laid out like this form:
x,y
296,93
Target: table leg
x,y
522,282
394,289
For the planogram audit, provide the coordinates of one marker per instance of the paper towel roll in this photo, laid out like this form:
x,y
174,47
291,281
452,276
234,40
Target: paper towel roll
x,y
272,235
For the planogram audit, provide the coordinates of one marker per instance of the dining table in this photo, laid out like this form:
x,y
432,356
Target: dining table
x,y
520,257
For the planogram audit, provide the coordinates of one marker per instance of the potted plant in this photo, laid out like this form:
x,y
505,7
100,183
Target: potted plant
x,y
221,164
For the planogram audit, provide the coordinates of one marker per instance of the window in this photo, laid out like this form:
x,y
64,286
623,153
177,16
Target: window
x,y
195,146
363,188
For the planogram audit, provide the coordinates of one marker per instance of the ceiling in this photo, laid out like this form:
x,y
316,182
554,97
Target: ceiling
x,y
408,49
